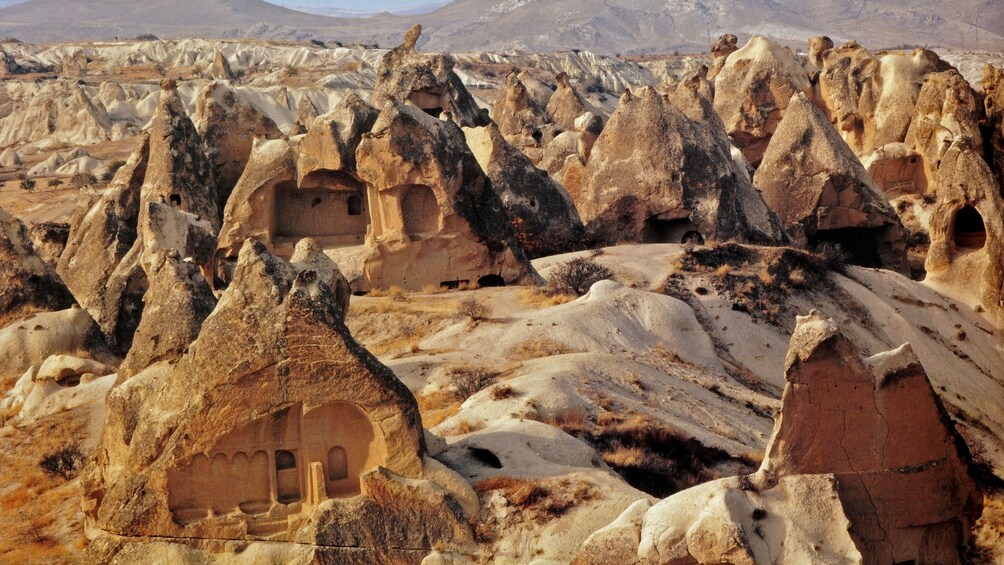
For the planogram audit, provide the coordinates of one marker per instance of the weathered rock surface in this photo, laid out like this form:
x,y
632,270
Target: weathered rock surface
x,y
332,139
228,127
752,91
657,175
220,70
892,487
946,109
822,193
49,240
308,256
519,118
542,214
27,284
850,87
439,218
993,128
426,81
566,105
292,433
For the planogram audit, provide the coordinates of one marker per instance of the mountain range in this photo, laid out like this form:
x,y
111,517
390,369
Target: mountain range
x,y
628,26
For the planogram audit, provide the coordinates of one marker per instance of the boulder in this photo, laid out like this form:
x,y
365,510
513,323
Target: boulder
x,y
823,194
426,81
10,159
752,91
293,433
27,284
656,175
543,217
893,487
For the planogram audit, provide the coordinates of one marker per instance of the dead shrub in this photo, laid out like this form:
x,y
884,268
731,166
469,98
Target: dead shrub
x,y
65,463
503,392
539,500
544,297
474,309
537,348
576,276
468,381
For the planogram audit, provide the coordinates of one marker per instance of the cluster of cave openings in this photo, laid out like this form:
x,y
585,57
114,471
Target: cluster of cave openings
x,y
339,214
968,230
269,469
680,230
420,210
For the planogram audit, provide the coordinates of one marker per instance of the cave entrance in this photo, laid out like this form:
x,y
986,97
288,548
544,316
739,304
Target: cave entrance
x,y
860,244
680,230
287,477
968,230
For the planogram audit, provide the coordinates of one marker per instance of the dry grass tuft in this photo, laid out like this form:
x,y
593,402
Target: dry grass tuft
x,y
537,348
540,297
502,392
540,500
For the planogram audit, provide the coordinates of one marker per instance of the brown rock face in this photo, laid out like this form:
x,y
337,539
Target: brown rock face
x,y
426,82
439,219
967,228
993,129
518,116
850,86
27,284
752,91
49,240
946,109
306,113
657,175
864,466
822,193
331,141
220,70
228,126
543,217
178,301
724,46
566,105
293,432
102,231
879,428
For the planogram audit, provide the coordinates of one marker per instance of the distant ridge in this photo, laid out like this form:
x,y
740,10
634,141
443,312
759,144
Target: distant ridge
x,y
625,26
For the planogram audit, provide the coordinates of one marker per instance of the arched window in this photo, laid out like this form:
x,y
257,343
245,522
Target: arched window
x,y
355,205
968,230
284,460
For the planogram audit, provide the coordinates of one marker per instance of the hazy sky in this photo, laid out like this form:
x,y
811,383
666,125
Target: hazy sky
x,y
361,5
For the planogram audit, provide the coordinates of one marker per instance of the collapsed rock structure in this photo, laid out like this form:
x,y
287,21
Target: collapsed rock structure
x,y
855,443
293,433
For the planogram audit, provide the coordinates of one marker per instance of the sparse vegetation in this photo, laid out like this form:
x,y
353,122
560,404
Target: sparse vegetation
x,y
113,168
538,500
468,381
80,180
474,309
649,455
576,276
503,392
64,463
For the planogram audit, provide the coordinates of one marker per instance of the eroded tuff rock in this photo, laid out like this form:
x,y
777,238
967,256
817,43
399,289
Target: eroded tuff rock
x,y
993,129
542,214
850,87
228,126
566,105
966,228
724,46
946,109
439,218
822,193
893,487
332,139
60,110
656,175
519,118
27,284
308,256
753,89
293,432
426,81
306,113
49,240
220,69
177,302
